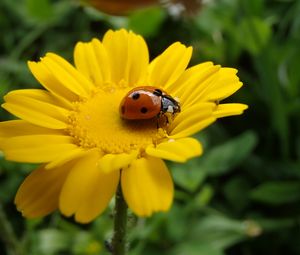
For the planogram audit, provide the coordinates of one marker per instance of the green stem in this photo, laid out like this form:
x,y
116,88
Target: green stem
x,y
120,224
8,236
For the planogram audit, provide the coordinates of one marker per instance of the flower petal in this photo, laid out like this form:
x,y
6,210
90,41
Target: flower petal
x,y
13,128
224,110
192,82
216,87
66,156
129,56
50,82
226,84
37,112
87,190
36,148
191,120
179,150
168,67
147,186
67,75
42,95
101,190
92,60
38,195
113,162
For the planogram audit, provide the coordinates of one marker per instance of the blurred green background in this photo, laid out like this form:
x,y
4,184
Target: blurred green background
x,y
242,196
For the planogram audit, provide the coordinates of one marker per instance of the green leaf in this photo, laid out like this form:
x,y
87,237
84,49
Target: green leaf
x,y
51,241
277,192
254,7
40,9
83,243
176,229
236,191
147,21
195,248
204,196
189,176
219,231
275,224
253,34
225,157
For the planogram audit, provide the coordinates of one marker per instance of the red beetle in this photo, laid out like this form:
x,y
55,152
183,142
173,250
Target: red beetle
x,y
147,102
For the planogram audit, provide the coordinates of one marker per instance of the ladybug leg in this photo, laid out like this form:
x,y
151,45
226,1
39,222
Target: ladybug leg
x,y
157,120
167,119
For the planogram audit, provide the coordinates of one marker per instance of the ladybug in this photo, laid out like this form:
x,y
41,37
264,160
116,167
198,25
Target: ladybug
x,y
147,102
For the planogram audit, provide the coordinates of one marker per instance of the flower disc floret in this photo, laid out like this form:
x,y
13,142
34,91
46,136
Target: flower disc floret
x,y
96,123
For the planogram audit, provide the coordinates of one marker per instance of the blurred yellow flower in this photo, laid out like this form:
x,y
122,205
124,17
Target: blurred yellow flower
x,y
74,129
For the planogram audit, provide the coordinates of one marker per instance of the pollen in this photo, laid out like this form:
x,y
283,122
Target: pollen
x,y
96,123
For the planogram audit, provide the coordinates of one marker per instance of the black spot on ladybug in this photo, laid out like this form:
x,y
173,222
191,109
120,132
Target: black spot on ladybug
x,y
144,110
135,96
123,109
157,92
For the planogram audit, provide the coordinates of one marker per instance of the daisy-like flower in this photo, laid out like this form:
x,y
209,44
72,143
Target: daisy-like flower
x,y
74,129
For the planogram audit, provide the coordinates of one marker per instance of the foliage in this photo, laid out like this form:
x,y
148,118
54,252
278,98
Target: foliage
x,y
242,196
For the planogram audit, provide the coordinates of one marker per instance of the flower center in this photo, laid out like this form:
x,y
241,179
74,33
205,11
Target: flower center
x,y
96,123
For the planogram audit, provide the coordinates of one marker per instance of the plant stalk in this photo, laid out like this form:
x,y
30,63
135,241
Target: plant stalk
x,y
8,236
120,224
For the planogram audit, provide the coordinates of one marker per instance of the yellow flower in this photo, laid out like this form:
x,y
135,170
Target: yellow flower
x,y
74,129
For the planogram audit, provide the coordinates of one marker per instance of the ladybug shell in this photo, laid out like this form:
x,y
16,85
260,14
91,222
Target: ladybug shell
x,y
141,103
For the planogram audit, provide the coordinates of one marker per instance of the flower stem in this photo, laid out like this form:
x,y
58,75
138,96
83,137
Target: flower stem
x,y
8,236
120,224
